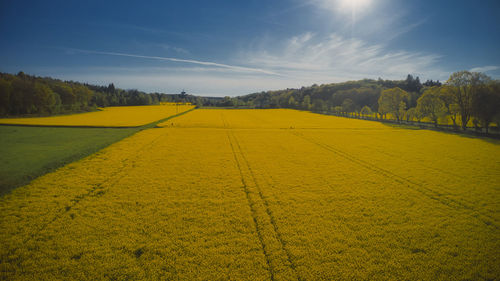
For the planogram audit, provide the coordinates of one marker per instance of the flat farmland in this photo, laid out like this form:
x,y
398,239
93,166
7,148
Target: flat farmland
x,y
31,147
262,195
119,116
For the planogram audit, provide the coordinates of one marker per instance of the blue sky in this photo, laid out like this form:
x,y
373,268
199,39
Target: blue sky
x,y
228,47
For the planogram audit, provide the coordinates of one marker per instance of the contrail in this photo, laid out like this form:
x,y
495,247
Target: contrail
x,y
207,63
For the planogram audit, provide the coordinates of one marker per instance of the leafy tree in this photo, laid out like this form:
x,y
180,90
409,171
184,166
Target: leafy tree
x,y
463,86
68,98
111,88
452,108
44,98
401,110
382,111
413,114
83,96
412,84
347,106
337,109
393,101
366,110
306,103
319,105
199,102
291,102
99,99
5,93
430,83
228,101
21,98
486,104
431,105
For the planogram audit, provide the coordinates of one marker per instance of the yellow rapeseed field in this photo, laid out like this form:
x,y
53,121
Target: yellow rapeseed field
x,y
262,195
123,116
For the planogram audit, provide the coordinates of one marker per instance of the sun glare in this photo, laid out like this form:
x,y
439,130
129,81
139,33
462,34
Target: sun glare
x,y
352,8
349,5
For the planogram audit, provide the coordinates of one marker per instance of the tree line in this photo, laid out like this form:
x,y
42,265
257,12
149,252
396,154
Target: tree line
x,y
24,95
465,97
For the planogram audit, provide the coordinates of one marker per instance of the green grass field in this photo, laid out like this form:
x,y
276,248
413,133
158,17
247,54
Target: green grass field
x,y
28,152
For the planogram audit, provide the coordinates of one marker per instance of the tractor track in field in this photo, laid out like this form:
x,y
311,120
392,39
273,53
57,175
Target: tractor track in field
x,y
443,171
419,187
96,191
255,198
250,202
252,208
444,189
272,219
429,169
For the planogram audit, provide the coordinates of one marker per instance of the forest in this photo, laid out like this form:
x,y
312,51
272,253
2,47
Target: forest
x,y
26,95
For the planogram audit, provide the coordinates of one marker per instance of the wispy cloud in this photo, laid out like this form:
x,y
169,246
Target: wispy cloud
x,y
310,57
197,62
405,29
301,60
484,68
207,81
114,26
178,50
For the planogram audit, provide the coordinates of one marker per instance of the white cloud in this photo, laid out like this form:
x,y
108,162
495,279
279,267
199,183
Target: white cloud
x,y
484,68
398,31
301,60
315,59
